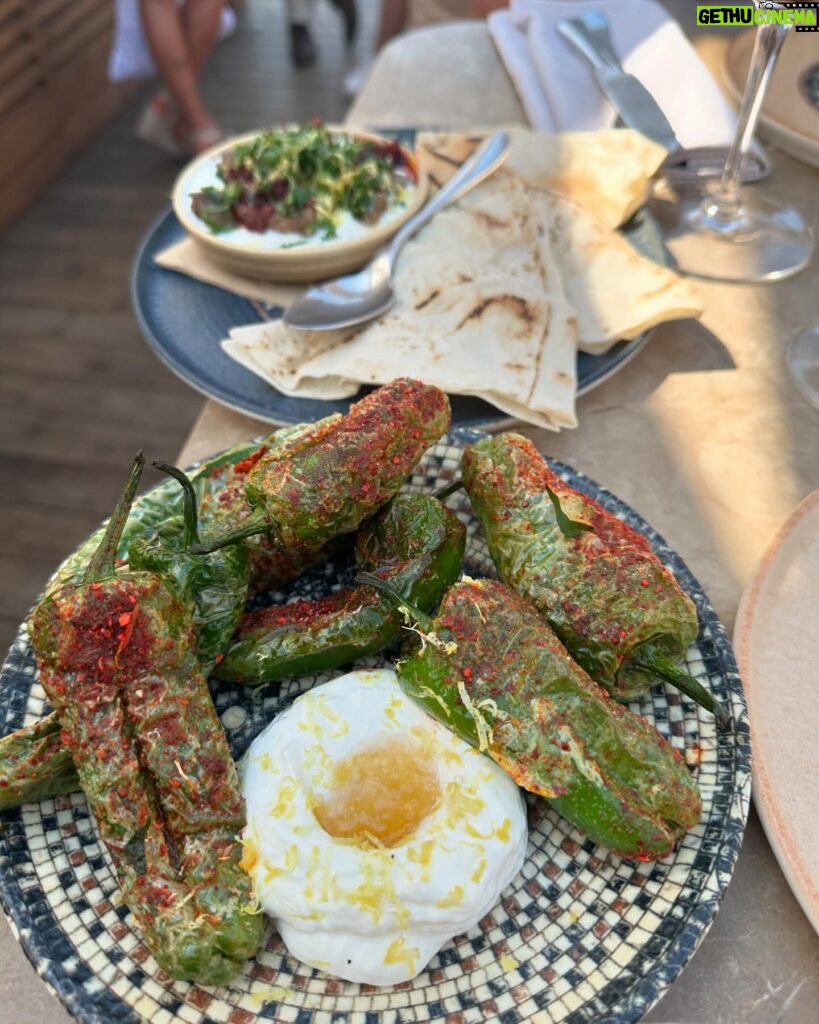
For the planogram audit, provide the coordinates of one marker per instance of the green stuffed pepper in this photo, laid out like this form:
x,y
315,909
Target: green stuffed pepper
x,y
116,656
597,582
414,542
490,669
324,481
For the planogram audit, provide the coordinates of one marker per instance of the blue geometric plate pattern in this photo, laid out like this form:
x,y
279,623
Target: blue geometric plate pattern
x,y
581,936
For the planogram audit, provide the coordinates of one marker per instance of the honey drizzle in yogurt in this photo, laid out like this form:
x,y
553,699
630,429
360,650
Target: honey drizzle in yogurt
x,y
380,795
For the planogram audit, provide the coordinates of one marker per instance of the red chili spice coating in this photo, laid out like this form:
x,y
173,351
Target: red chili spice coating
x,y
117,659
603,590
272,566
414,542
494,672
310,488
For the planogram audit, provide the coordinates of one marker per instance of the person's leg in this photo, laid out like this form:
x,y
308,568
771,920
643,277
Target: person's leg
x,y
303,51
201,20
165,33
393,21
348,10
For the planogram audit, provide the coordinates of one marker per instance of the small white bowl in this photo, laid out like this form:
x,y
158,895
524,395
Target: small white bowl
x,y
260,254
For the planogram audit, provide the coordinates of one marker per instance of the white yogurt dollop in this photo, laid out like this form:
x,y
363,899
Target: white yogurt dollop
x,y
356,909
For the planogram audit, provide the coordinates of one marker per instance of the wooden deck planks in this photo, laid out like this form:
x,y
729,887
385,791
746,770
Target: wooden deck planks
x,y
80,391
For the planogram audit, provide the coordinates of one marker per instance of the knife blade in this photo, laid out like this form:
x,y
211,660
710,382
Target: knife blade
x,y
589,34
682,168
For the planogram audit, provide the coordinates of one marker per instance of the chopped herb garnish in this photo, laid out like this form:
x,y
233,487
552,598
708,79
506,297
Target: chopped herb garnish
x,y
302,179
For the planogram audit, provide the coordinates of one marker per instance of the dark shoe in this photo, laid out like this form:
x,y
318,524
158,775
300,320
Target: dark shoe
x,y
302,48
349,12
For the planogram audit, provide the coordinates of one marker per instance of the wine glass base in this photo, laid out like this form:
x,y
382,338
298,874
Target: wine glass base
x,y
803,363
765,242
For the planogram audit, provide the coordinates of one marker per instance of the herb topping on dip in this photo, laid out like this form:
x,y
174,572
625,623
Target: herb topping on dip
x,y
302,180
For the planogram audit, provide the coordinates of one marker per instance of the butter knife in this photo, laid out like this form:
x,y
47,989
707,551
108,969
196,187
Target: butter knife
x,y
589,35
638,109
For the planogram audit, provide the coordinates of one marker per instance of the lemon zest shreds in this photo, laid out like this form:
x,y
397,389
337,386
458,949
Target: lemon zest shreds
x,y
477,712
447,646
427,693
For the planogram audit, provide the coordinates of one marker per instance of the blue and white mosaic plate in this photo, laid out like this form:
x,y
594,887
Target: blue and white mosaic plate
x,y
580,936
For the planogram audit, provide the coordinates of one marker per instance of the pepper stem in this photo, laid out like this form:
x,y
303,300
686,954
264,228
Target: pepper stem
x,y
451,488
190,535
253,526
102,564
421,619
666,669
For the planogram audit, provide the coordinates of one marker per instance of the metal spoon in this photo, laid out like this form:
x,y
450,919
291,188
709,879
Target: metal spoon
x,y
356,298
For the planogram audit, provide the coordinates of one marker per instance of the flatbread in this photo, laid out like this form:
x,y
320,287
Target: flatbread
x,y
606,172
615,292
480,310
495,296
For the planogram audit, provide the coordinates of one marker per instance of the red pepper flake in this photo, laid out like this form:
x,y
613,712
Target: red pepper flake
x,y
246,464
467,673
218,658
125,636
396,459
644,582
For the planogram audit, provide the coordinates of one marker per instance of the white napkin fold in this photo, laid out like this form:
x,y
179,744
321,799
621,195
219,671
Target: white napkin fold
x,y
557,86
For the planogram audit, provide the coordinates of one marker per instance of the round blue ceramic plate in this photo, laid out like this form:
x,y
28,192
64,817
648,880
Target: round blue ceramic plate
x,y
581,936
183,320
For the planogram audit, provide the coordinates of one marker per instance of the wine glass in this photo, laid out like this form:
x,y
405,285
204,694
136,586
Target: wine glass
x,y
734,234
803,363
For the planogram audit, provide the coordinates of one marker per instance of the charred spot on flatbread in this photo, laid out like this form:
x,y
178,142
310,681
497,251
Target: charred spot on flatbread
x,y
518,306
430,298
490,220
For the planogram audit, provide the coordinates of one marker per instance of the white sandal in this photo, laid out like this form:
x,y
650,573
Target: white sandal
x,y
156,125
201,139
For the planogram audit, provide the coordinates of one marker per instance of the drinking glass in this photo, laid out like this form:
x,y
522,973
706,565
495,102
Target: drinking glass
x,y
803,363
734,233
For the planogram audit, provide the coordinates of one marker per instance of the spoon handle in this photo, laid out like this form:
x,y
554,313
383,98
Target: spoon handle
x,y
480,165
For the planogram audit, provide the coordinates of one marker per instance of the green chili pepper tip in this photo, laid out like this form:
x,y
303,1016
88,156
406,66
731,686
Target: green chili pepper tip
x,y
657,665
253,526
190,514
102,562
421,619
451,488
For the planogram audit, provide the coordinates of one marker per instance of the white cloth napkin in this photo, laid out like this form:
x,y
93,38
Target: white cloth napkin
x,y
557,86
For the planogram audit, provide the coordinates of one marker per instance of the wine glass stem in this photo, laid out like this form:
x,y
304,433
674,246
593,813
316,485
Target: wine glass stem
x,y
725,202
